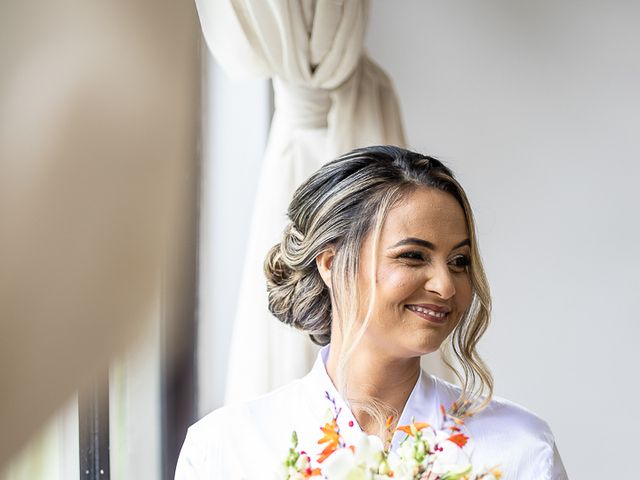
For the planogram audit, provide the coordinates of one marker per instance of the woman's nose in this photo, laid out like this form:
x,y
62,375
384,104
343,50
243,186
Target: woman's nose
x,y
440,281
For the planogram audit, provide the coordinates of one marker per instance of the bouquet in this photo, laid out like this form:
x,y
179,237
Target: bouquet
x,y
425,454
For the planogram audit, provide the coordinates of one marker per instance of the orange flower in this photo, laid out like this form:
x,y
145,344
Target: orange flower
x,y
419,426
389,421
459,439
331,438
311,472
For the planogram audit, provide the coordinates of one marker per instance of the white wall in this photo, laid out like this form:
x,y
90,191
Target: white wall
x,y
536,107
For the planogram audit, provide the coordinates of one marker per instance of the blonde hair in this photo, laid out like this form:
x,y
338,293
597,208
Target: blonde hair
x,y
338,206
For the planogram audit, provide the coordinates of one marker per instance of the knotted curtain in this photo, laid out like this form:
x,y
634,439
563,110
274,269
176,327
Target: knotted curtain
x,y
329,97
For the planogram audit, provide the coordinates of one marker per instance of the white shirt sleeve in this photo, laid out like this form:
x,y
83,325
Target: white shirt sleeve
x,y
211,449
190,460
556,467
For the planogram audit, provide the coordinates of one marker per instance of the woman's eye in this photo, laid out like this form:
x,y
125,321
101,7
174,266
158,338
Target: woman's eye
x,y
412,256
461,261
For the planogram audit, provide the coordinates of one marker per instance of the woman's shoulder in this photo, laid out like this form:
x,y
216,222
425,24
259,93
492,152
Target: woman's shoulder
x,y
212,444
501,414
510,435
239,412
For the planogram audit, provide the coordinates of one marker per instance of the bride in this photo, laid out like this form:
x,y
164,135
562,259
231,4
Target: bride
x,y
380,265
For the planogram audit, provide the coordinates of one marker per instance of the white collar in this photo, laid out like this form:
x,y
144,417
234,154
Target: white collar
x,y
423,403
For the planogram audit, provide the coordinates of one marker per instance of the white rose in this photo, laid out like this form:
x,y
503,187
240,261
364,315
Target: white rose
x,y
451,459
405,450
404,467
342,465
369,451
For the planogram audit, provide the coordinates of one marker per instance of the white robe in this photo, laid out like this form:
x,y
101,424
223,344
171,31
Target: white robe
x,y
249,440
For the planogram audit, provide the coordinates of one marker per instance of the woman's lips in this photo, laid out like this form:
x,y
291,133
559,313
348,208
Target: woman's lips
x,y
430,315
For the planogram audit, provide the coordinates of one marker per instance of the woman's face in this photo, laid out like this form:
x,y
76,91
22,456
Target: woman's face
x,y
423,255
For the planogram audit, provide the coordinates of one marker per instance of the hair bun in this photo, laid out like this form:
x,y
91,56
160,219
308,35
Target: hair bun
x,y
297,294
275,269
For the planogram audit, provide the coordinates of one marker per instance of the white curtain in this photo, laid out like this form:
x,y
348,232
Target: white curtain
x,y
330,97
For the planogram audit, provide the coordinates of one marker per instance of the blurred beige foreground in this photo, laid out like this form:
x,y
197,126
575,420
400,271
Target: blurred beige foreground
x,y
98,112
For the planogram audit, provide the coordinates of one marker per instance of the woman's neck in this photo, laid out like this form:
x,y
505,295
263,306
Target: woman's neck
x,y
370,374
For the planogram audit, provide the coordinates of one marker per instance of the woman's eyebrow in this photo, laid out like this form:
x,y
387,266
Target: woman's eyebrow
x,y
426,243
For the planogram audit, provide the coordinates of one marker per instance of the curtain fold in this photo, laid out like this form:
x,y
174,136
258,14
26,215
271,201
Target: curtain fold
x,y
330,97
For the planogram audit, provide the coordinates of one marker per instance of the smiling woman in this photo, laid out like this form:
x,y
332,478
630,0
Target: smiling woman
x,y
403,219
380,265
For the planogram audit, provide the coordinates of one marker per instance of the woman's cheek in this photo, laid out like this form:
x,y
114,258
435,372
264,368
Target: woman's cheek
x,y
464,292
397,279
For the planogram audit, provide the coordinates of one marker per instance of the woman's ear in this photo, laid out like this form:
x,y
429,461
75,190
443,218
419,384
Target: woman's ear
x,y
324,261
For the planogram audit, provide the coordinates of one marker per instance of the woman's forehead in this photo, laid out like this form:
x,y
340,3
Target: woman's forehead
x,y
428,214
